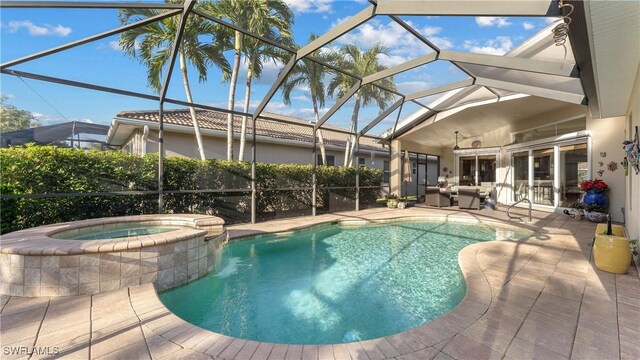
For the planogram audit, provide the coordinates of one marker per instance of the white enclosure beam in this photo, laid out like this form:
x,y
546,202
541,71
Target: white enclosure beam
x,y
511,63
444,104
439,89
87,5
381,117
533,90
89,39
400,68
339,104
469,7
337,31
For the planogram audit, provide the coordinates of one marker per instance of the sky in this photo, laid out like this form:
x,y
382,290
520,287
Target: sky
x,y
26,31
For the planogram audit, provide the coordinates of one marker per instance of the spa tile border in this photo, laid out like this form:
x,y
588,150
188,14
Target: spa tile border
x,y
39,240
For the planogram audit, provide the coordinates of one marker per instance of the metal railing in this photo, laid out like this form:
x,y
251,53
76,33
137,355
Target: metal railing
x,y
516,203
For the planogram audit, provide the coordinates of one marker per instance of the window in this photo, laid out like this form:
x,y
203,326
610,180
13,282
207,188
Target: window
x,y
387,172
361,161
547,131
414,168
331,160
467,170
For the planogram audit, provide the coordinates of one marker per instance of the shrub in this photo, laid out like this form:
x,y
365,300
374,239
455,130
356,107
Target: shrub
x,y
52,170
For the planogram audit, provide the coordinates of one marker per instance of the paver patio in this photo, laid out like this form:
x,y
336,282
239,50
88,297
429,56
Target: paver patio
x,y
540,298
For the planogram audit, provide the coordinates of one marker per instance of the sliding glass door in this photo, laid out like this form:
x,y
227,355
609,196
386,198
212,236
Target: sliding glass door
x,y
477,169
543,176
486,169
574,168
550,175
520,182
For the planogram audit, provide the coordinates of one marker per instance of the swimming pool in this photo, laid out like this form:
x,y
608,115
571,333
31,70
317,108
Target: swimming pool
x,y
333,283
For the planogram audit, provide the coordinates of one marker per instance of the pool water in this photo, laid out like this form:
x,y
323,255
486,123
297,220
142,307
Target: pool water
x,y
120,231
333,284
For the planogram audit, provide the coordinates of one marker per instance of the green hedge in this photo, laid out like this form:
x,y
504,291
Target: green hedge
x,y
53,170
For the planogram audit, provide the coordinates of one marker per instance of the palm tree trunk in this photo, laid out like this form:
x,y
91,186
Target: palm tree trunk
x,y
320,138
247,99
194,118
348,151
232,93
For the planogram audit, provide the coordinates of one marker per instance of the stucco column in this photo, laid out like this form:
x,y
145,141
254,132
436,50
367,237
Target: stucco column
x,y
395,167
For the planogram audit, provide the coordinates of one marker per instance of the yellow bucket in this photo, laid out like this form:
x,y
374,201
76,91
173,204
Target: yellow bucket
x,y
612,253
616,230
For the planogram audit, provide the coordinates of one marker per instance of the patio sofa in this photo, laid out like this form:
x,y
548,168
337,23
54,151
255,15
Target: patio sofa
x,y
434,197
472,197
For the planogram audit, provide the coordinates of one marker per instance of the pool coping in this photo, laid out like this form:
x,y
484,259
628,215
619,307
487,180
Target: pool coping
x,y
40,240
162,322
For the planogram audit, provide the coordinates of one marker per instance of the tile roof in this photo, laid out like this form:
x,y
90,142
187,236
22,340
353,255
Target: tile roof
x,y
214,120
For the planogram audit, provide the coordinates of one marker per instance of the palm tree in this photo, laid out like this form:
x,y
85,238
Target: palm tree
x,y
311,74
256,53
262,17
151,44
357,62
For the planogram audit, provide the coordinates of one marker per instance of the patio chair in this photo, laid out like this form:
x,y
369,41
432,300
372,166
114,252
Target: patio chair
x,y
434,197
469,199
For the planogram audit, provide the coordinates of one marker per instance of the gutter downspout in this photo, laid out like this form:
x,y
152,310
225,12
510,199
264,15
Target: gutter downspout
x,y
145,137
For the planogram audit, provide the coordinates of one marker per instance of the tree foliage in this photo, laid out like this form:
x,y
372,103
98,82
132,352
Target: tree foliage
x,y
12,118
362,63
201,45
52,170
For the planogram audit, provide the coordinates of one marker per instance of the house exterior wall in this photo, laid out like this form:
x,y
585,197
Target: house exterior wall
x,y
632,181
184,144
607,136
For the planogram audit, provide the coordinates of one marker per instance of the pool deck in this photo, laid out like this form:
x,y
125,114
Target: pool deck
x,y
541,298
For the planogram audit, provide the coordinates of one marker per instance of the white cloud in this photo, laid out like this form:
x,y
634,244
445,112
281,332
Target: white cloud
x,y
527,25
391,60
498,46
115,45
38,30
399,41
492,21
310,6
338,21
270,72
442,43
301,98
410,87
45,119
430,30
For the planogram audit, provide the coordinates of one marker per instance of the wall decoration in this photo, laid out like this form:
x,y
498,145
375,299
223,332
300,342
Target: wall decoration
x,y
625,165
612,166
601,163
445,169
632,148
476,144
600,172
603,154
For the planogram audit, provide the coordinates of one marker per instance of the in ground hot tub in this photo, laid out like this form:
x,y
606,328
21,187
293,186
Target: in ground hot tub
x,y
92,256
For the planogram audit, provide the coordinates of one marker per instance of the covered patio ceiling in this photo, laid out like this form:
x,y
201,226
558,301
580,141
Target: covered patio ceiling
x,y
473,121
488,76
